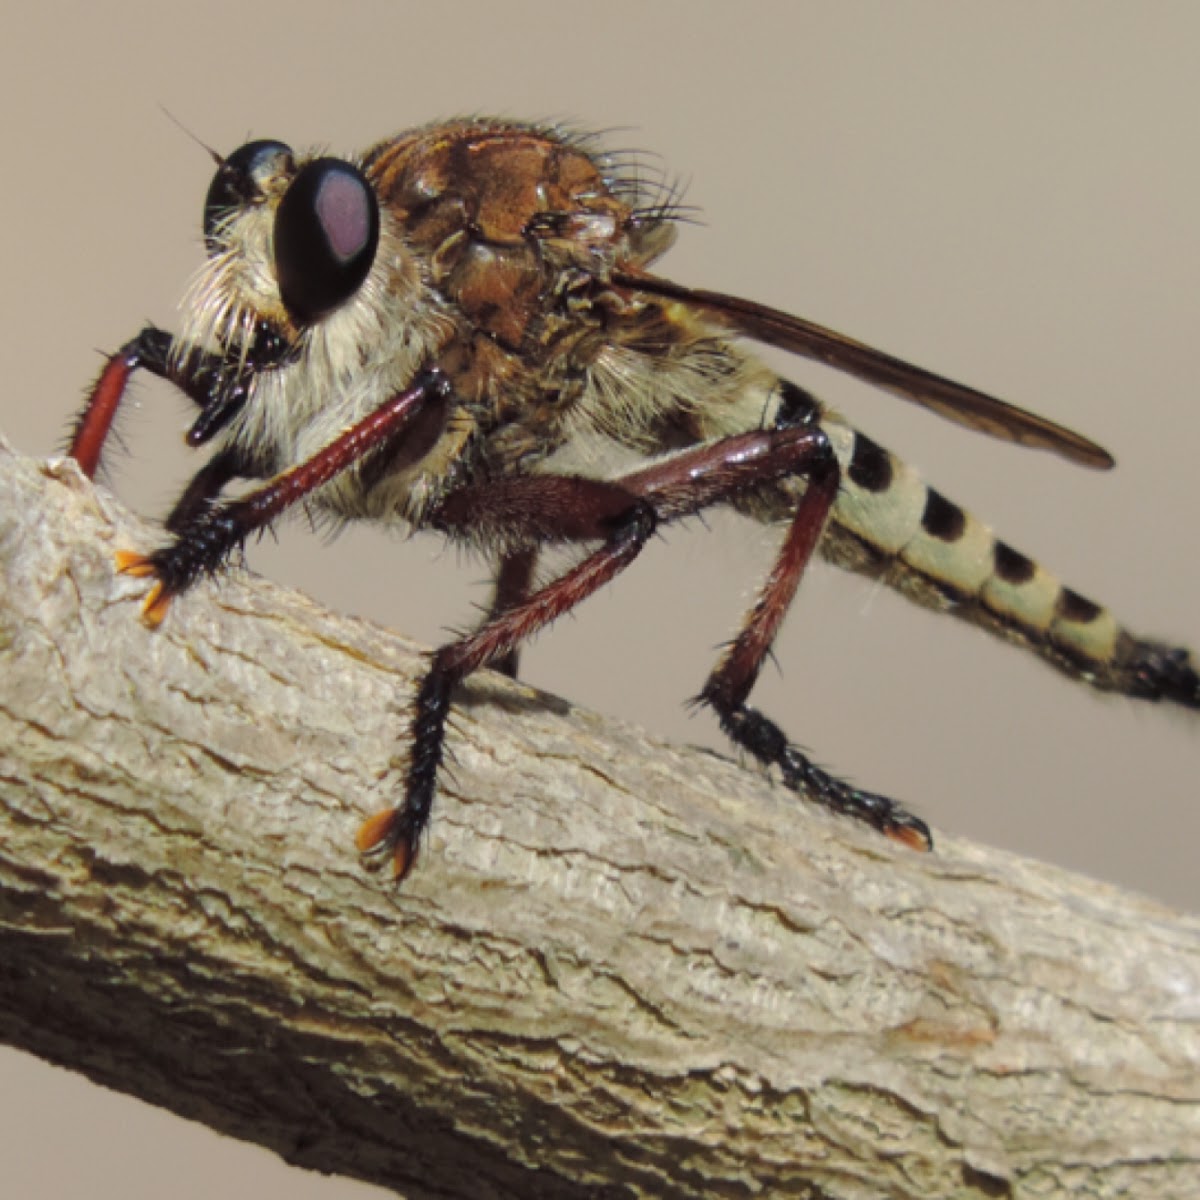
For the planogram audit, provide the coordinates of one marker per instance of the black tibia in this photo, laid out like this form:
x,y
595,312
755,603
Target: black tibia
x,y
206,533
523,512
205,487
219,386
514,581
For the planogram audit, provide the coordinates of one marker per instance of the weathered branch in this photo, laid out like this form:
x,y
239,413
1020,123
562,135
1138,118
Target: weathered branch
x,y
620,969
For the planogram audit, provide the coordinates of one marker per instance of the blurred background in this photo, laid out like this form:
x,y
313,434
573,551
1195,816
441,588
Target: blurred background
x,y
1005,194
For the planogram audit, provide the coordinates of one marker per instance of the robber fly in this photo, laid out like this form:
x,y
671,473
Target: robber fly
x,y
438,333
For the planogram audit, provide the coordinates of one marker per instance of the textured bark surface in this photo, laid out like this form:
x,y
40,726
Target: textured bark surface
x,y
621,968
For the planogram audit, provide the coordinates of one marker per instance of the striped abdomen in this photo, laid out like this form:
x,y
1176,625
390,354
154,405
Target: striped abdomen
x,y
890,525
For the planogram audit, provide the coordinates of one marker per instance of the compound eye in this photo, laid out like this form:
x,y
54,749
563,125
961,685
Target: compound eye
x,y
240,179
326,234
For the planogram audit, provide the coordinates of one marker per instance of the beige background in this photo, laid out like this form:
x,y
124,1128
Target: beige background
x,y
1005,194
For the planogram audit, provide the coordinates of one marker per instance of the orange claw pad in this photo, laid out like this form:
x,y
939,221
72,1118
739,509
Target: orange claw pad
x,y
912,838
130,562
403,857
158,600
377,831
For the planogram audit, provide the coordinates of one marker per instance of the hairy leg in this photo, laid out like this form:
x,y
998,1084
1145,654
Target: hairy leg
x,y
514,582
523,512
206,534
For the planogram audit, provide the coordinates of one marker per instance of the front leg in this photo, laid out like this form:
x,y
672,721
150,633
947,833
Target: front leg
x,y
219,386
208,534
150,351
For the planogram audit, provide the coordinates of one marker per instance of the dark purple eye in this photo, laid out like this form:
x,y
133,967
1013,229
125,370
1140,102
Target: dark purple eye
x,y
326,234
239,180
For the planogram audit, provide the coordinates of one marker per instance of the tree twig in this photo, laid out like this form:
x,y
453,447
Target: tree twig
x,y
620,969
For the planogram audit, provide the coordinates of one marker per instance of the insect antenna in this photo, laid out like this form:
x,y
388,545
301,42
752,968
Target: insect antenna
x,y
216,157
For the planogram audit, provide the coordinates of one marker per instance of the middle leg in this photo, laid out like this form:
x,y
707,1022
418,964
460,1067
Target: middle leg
x,y
518,514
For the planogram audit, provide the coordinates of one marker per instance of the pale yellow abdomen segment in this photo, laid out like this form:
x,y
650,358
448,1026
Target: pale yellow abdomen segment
x,y
908,529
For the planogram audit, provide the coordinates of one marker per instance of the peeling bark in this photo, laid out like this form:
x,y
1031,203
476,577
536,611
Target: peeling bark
x,y
620,969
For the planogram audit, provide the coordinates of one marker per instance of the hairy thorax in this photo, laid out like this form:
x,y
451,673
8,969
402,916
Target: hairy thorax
x,y
497,247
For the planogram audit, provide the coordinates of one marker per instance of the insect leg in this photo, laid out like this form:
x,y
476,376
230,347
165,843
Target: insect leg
x,y
514,582
150,350
218,386
523,512
207,534
728,686
720,471
206,485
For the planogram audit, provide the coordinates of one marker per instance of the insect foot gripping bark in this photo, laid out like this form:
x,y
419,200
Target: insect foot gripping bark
x,y
435,333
